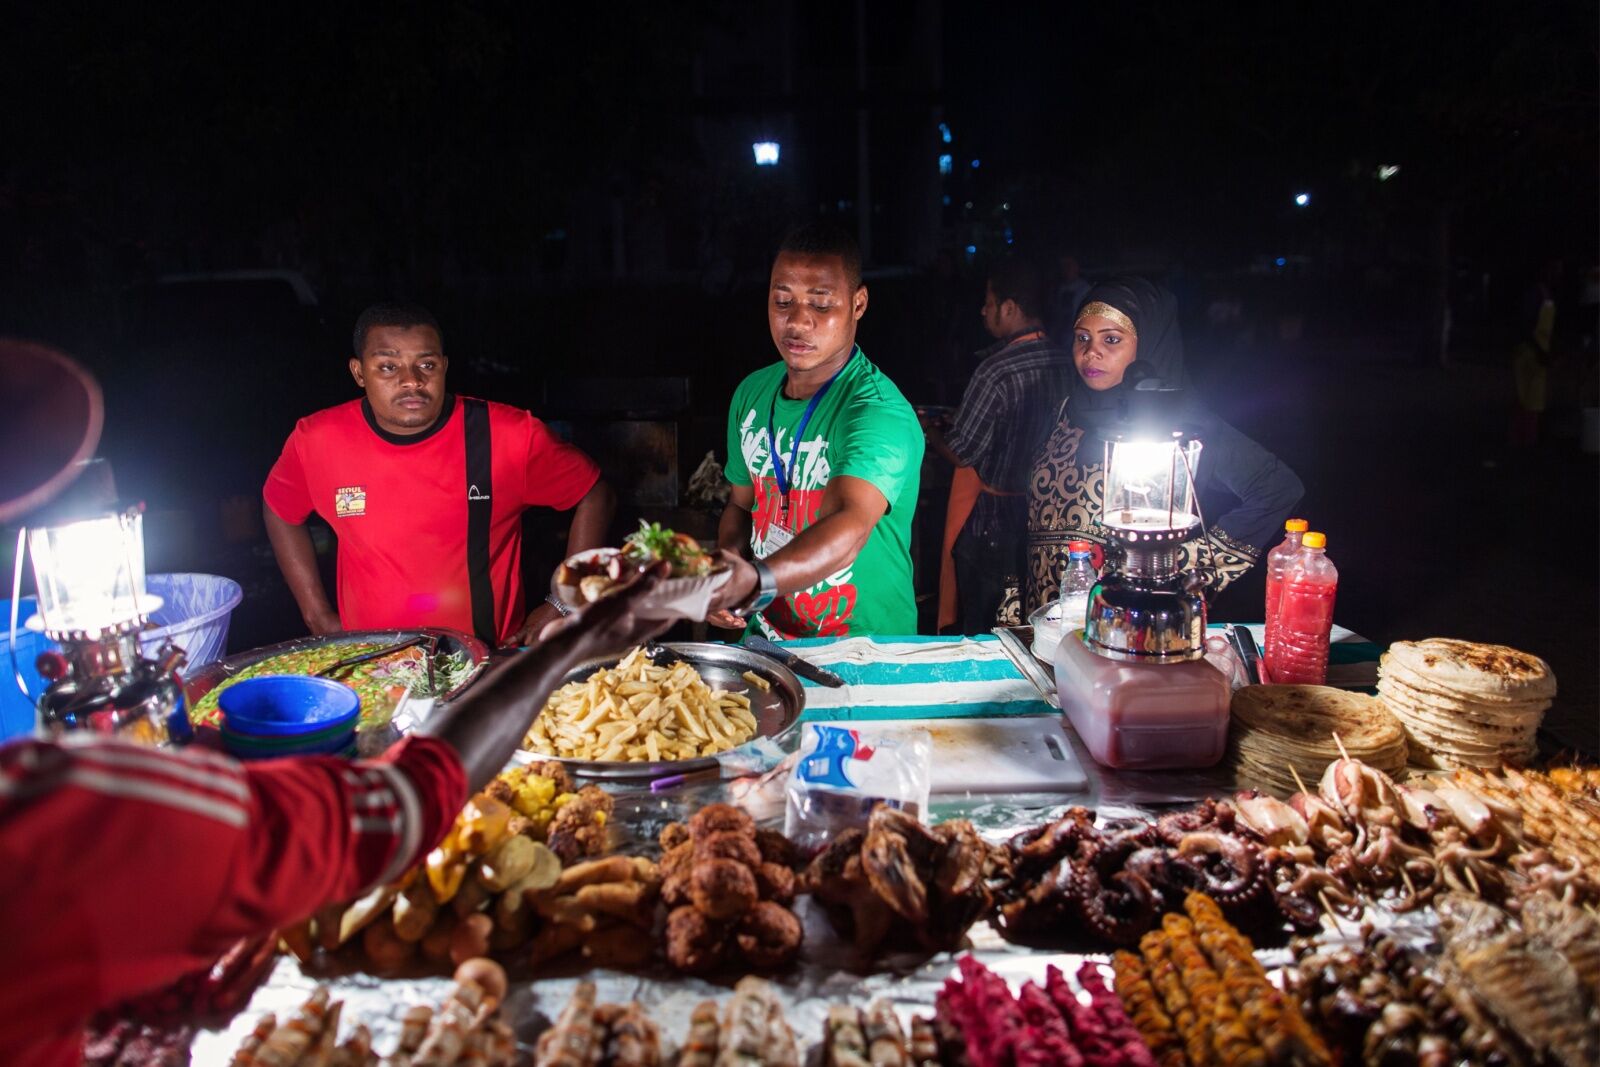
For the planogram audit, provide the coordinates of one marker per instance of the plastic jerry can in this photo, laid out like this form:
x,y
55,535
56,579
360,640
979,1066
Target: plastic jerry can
x,y
1143,716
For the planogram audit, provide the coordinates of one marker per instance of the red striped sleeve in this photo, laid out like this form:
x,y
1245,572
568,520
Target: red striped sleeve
x,y
123,868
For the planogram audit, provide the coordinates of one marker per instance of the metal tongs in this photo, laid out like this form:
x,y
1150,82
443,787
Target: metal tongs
x,y
351,661
1244,643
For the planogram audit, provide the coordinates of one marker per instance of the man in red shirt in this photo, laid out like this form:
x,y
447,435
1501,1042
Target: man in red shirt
x,y
425,491
123,868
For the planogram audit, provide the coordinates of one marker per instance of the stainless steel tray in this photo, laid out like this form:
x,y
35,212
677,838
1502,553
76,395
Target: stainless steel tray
x,y
210,676
722,666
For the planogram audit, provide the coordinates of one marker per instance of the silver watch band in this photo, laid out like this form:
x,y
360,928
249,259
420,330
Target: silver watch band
x,y
557,603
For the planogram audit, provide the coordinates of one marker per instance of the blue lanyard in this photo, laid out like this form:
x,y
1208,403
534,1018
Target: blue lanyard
x,y
778,471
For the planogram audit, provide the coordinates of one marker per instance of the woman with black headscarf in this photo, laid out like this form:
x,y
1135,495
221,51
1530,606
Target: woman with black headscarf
x,y
1126,345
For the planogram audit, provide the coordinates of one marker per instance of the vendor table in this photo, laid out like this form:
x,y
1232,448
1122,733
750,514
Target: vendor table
x,y
910,678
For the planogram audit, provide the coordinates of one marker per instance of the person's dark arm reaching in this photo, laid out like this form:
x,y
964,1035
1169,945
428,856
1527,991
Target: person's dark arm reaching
x,y
487,724
245,849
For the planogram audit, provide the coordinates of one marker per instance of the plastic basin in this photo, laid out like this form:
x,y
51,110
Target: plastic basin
x,y
17,713
287,705
194,615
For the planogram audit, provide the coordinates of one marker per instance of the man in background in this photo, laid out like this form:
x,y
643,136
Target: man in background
x,y
1008,410
425,491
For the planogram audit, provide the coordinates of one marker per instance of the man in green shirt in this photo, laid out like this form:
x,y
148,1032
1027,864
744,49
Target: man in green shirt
x,y
824,457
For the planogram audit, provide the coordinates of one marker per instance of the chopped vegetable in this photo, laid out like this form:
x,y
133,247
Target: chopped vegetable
x,y
653,543
379,683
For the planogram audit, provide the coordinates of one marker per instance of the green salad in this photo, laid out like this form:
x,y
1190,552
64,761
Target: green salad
x,y
652,543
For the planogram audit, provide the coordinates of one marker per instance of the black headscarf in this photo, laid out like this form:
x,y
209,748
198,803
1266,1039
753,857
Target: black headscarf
x,y
1153,312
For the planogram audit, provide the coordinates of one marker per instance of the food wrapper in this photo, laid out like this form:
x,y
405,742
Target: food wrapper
x,y
673,598
844,772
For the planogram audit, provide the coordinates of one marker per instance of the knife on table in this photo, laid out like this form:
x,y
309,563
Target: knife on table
x,y
803,667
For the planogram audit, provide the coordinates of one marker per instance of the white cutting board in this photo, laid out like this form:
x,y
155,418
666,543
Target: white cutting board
x,y
1020,754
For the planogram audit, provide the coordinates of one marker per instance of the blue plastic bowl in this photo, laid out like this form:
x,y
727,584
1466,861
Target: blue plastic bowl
x,y
345,747
284,705
294,743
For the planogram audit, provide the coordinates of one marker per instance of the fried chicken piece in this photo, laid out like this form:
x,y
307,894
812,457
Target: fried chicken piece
x,y
695,944
556,772
829,865
775,882
714,818
775,848
768,935
675,890
672,835
887,861
677,858
836,879
727,845
579,828
723,889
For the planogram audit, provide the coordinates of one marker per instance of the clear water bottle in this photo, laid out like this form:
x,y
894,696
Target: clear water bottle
x,y
1278,561
1076,582
1305,615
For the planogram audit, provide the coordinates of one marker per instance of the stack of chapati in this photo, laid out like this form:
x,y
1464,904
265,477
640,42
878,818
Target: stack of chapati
x,y
1278,727
1464,704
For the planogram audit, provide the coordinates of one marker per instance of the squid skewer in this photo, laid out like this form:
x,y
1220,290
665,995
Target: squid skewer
x,y
413,1028
462,1013
246,1055
292,1040
700,1047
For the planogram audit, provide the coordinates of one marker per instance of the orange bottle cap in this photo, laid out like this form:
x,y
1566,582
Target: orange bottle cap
x,y
1297,526
1315,540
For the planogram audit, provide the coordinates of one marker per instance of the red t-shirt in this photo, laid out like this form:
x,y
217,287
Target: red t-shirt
x,y
399,508
124,868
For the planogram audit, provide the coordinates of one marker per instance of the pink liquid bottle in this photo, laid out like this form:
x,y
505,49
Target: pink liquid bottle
x,y
1278,561
1305,615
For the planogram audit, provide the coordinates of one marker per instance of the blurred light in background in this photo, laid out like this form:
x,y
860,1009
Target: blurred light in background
x,y
766,153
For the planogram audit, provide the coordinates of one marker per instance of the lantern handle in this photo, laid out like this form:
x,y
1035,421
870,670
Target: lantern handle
x,y
16,605
1210,566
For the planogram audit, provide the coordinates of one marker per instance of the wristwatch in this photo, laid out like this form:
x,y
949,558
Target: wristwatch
x,y
557,603
765,592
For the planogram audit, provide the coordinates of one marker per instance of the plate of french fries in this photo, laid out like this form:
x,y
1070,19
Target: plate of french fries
x,y
646,715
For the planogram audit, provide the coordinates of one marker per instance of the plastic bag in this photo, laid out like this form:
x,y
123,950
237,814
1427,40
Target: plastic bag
x,y
1221,655
843,772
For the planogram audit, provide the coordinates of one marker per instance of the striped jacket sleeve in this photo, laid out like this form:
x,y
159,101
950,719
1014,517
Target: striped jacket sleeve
x,y
124,867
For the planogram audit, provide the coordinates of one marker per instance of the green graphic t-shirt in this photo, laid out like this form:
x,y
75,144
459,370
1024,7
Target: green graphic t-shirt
x,y
863,428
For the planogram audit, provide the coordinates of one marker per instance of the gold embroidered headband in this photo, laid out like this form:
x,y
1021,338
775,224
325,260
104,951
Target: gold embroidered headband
x,y
1106,311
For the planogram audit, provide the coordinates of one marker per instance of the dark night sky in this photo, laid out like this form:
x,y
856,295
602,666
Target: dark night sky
x,y
1171,123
